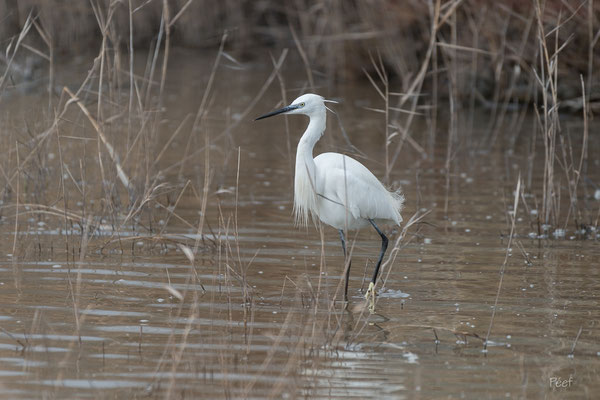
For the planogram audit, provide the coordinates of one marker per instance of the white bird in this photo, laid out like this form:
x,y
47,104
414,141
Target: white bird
x,y
335,188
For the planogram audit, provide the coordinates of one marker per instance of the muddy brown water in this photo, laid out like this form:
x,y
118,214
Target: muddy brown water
x,y
257,317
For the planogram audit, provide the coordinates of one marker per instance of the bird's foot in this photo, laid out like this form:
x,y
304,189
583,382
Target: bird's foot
x,y
370,296
370,290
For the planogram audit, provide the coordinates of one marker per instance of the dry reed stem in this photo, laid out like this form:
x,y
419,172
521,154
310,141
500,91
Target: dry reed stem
x,y
513,217
205,190
574,180
415,87
14,247
178,130
109,147
572,352
591,44
288,142
304,58
171,209
167,48
14,49
131,76
45,35
385,96
178,355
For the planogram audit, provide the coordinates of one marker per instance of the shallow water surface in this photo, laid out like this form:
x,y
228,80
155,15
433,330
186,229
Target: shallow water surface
x,y
126,314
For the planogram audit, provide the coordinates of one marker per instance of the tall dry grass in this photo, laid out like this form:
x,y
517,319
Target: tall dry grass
x,y
424,59
432,60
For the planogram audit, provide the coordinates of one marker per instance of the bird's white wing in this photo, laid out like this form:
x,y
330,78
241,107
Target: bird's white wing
x,y
346,181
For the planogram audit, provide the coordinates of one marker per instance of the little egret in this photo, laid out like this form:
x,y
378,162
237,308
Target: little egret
x,y
337,189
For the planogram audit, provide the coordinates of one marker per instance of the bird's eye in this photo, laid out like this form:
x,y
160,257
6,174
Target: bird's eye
x,y
301,104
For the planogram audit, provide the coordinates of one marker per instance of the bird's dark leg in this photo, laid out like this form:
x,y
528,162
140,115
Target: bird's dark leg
x,y
384,245
349,264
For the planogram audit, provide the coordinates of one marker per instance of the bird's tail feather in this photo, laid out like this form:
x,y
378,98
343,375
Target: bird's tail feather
x,y
398,198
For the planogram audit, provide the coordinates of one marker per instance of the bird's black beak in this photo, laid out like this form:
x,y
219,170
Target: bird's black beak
x,y
280,111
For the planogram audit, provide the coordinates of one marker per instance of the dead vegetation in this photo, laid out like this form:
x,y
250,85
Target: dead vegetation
x,y
439,61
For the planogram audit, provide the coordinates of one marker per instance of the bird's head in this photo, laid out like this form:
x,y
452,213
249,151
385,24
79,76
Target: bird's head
x,y
307,104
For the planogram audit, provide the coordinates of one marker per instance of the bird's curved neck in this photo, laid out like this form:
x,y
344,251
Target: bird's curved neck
x,y
313,132
305,181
